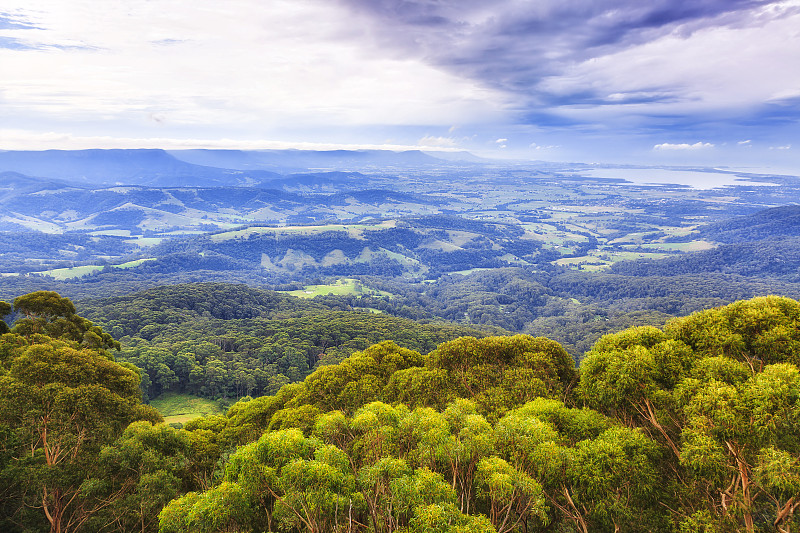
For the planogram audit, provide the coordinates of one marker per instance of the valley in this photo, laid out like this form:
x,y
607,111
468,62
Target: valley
x,y
569,251
397,325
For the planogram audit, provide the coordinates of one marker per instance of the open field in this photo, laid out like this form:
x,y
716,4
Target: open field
x,y
341,287
62,274
299,230
597,260
691,246
175,407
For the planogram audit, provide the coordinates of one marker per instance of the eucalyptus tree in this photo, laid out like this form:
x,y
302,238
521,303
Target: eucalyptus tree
x,y
63,399
5,310
720,390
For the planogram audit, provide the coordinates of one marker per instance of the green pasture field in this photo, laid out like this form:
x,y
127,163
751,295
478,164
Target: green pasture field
x,y
302,230
691,246
598,260
175,407
470,271
62,274
341,287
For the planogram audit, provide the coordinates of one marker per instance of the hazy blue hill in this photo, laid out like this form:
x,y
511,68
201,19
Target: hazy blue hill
x,y
185,168
294,161
15,183
233,159
377,196
781,221
763,244
771,257
129,167
321,181
75,208
461,156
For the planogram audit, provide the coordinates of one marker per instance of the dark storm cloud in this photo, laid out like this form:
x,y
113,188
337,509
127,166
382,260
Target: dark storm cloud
x,y
513,45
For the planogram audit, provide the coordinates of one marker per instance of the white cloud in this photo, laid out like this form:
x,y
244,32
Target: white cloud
x,y
437,142
266,66
26,140
683,146
501,141
540,147
784,147
744,143
708,70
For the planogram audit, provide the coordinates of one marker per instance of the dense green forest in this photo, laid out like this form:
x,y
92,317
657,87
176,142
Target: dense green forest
x,y
424,268
225,340
689,427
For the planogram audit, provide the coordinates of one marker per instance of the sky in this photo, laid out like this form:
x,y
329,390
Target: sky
x,y
663,82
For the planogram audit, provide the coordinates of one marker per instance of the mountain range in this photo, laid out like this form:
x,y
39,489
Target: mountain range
x,y
208,168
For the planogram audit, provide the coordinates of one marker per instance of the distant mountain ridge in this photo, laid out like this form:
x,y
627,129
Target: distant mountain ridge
x,y
294,161
55,206
155,168
205,168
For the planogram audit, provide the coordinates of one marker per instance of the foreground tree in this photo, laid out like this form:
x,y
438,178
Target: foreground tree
x,y
5,310
47,313
721,390
62,401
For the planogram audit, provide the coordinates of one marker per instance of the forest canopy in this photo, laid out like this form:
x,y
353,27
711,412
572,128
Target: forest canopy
x,y
691,427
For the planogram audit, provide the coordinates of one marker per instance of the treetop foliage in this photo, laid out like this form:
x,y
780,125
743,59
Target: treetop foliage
x,y
64,398
689,427
47,313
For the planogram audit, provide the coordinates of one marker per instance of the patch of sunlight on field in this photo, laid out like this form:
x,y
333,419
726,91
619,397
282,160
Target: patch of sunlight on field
x,y
691,246
598,260
175,407
62,274
299,230
341,287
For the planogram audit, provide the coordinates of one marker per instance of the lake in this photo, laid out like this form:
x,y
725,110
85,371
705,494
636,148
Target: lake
x,y
691,178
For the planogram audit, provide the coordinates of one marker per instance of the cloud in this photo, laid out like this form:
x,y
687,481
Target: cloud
x,y
581,73
283,64
437,142
617,63
540,147
14,139
517,44
744,143
13,44
11,21
501,141
683,146
784,147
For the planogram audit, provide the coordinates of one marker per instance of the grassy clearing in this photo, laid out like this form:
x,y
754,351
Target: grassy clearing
x,y
370,309
181,408
341,287
302,230
470,271
598,260
133,264
62,274
691,246
111,233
